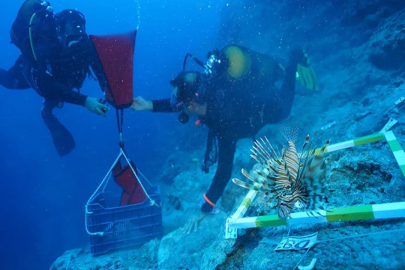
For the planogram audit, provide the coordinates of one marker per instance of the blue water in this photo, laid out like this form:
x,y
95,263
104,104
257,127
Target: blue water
x,y
43,195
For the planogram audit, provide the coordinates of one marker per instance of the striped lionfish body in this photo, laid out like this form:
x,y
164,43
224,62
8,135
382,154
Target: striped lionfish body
x,y
287,178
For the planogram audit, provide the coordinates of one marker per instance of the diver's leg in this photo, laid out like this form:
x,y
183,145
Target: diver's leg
x,y
62,139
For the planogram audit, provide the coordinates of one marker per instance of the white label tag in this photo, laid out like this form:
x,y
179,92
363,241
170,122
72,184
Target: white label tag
x,y
389,125
297,242
230,233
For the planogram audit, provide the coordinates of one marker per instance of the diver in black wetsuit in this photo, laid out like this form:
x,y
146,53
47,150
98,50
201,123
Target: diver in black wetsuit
x,y
235,102
56,58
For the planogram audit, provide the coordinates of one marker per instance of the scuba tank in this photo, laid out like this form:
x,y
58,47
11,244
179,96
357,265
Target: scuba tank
x,y
242,78
33,31
238,77
237,63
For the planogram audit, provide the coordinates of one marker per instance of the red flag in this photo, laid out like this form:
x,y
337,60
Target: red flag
x,y
116,54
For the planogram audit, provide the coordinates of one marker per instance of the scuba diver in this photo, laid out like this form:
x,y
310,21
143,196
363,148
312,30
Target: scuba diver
x,y
56,57
234,97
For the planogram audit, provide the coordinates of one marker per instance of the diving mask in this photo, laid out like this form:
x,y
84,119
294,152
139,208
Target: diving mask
x,y
187,87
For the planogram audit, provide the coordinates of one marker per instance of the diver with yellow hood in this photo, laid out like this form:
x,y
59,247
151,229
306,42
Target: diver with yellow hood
x,y
234,97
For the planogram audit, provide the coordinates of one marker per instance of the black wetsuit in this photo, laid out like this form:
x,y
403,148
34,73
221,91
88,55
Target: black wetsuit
x,y
56,81
232,118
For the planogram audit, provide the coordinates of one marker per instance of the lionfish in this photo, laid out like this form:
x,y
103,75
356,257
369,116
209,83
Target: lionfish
x,y
291,180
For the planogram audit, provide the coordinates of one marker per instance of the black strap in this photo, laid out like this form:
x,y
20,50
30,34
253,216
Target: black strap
x,y
120,123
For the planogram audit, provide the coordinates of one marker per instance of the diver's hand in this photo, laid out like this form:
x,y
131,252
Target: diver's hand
x,y
140,104
95,106
192,223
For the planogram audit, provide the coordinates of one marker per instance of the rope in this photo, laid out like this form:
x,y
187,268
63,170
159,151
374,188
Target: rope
x,y
144,177
105,182
106,179
152,202
120,123
138,12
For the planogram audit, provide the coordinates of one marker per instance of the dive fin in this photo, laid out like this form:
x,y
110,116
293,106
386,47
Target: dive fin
x,y
306,74
307,77
62,139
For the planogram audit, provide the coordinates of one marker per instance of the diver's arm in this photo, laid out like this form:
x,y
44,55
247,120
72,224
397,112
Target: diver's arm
x,y
163,105
46,86
57,91
44,83
226,153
